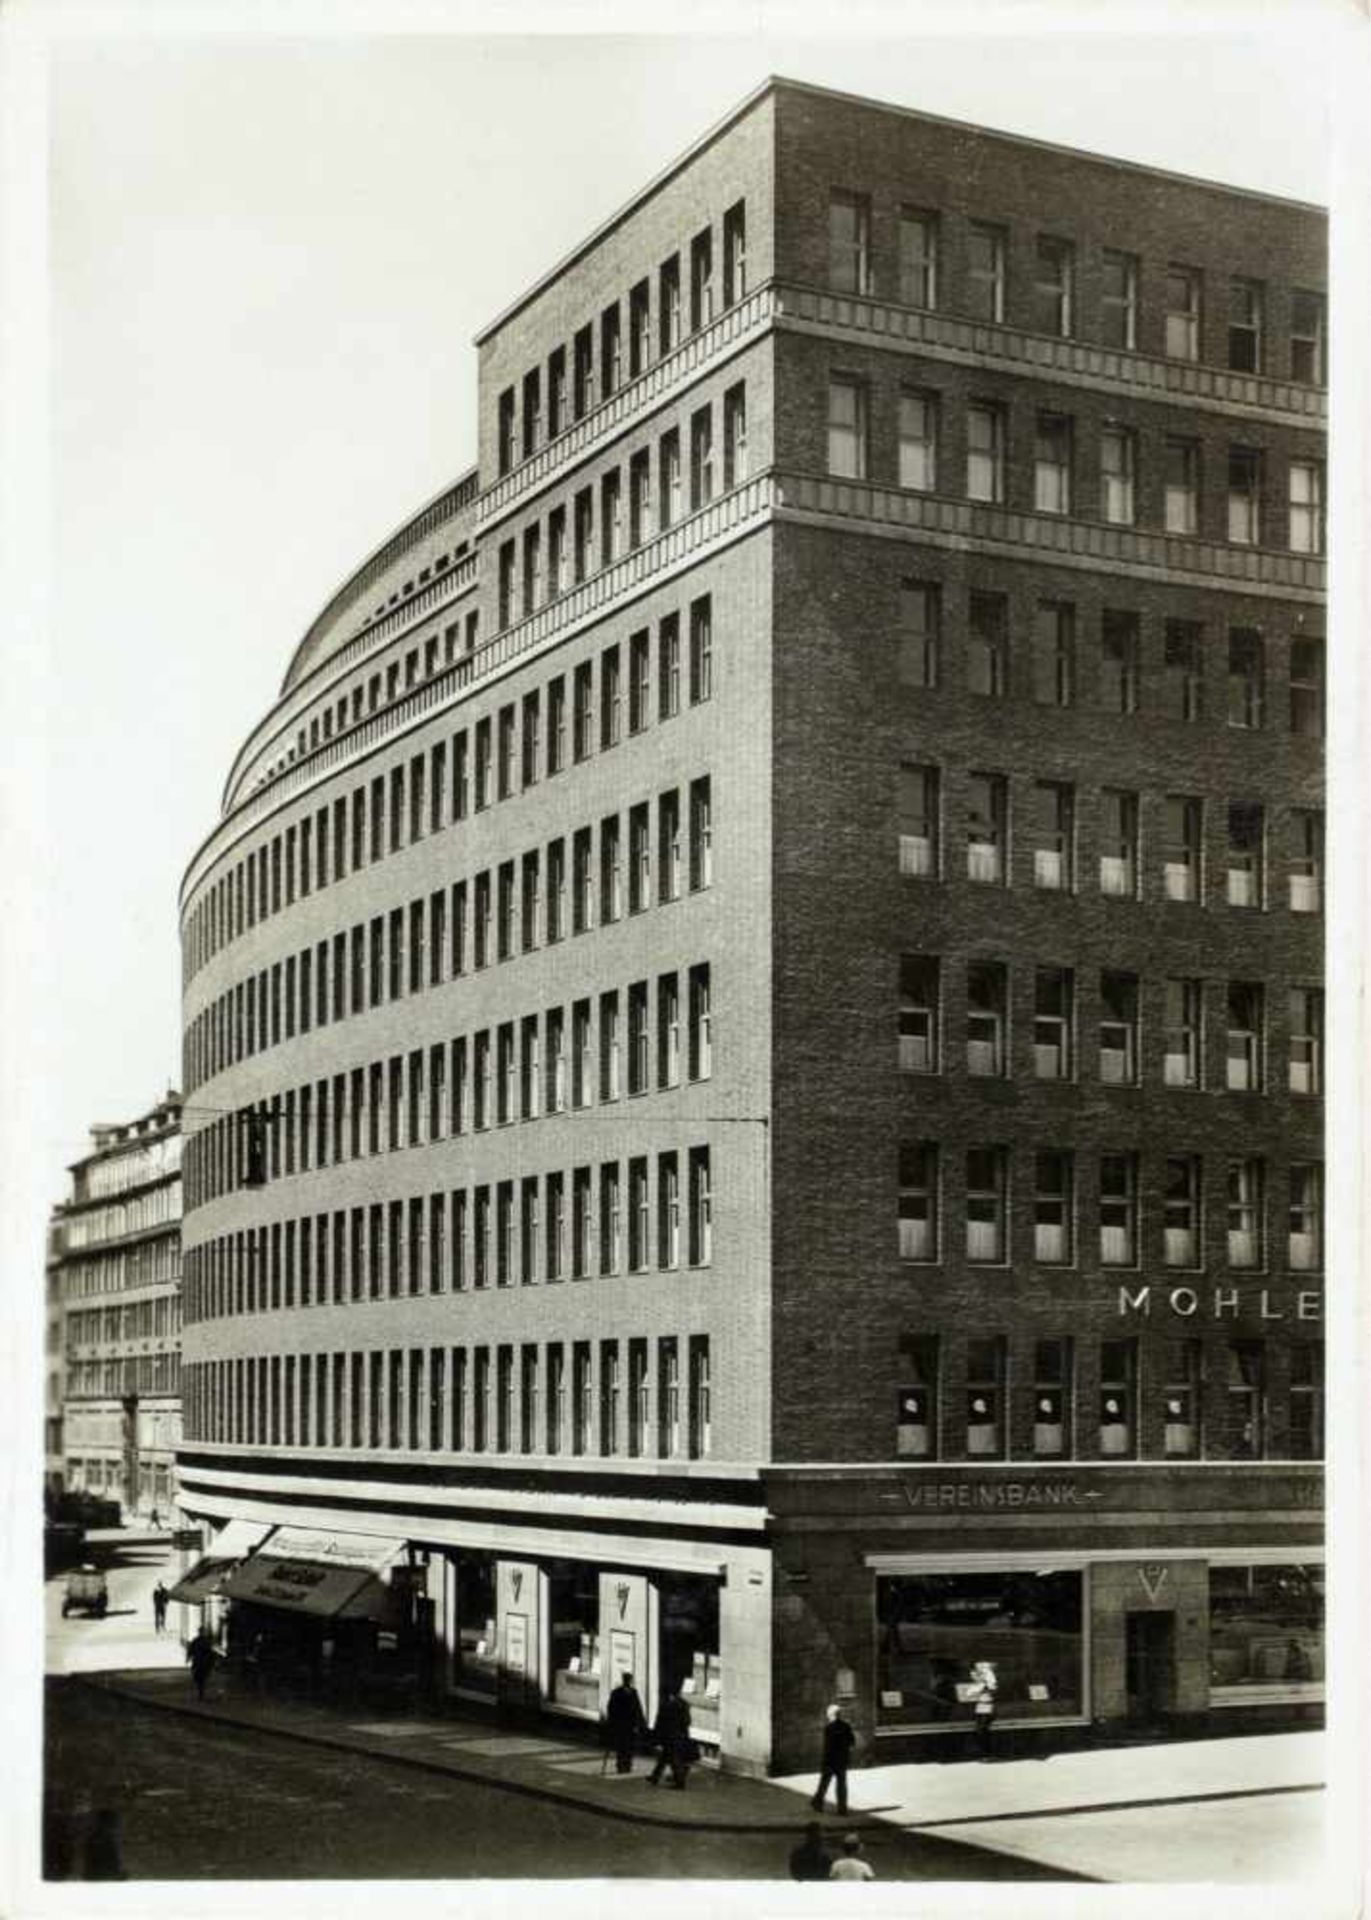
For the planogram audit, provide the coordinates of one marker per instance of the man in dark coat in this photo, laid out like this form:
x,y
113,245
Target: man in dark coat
x,y
838,1743
811,1860
200,1654
672,1734
624,1721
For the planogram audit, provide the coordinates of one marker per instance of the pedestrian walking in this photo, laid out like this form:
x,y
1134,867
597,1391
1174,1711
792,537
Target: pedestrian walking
x,y
160,1597
102,1857
839,1740
985,1685
850,1865
624,1721
811,1860
675,1749
200,1654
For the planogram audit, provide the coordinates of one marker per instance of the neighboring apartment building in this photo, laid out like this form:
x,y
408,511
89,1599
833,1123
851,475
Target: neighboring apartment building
x,y
752,1020
119,1279
54,1357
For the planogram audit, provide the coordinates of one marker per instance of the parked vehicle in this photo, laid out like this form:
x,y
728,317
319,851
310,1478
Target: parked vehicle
x,y
87,1591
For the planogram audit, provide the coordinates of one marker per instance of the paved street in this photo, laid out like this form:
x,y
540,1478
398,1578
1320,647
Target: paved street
x,y
199,1800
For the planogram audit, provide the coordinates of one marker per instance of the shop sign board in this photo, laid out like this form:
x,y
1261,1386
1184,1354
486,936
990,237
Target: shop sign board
x,y
621,1652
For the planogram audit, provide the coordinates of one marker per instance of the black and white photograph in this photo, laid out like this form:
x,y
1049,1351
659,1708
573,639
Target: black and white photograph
x,y
683,1136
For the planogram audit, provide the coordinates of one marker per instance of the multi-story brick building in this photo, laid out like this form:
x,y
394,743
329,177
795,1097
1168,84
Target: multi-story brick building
x,y
752,1019
115,1306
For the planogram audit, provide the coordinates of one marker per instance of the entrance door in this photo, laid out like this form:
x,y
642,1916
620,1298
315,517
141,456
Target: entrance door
x,y
1150,1664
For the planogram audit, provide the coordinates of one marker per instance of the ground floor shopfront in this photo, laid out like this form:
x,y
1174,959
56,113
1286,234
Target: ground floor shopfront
x,y
512,1612
1104,1598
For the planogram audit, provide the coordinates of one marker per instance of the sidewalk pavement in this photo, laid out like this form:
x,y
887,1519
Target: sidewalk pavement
x,y
957,1800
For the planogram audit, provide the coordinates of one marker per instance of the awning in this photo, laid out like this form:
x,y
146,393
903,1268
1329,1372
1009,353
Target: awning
x,y
305,1570
231,1544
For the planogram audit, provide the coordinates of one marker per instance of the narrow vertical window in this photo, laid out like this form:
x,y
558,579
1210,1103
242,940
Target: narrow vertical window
x,y
920,633
1053,1208
1182,313
847,429
986,1205
1052,286
984,453
849,243
1245,302
985,1397
918,258
1118,459
735,253
1119,300
985,272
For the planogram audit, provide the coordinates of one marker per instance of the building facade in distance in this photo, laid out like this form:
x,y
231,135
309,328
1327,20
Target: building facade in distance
x,y
118,1278
752,1020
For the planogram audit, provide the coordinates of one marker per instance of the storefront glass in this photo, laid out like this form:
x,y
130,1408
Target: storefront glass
x,y
932,1628
573,1590
477,1645
689,1616
1265,1626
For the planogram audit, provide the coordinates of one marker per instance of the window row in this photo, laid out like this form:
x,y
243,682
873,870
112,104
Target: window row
x,y
983,1001
550,729
657,1035
134,1320
935,260
137,1374
993,458
990,1229
1041,840
148,1263
639,1397
1049,662
651,1212
575,883
550,558
1185,1399
629,336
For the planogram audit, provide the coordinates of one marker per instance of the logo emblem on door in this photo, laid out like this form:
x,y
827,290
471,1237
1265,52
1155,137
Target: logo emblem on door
x,y
1153,1579
621,1593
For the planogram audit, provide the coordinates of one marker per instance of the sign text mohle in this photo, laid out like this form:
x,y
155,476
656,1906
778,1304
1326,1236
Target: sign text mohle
x,y
1221,1303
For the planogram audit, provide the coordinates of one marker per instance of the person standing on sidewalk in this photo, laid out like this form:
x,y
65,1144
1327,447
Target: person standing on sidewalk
x,y
160,1597
624,1721
850,1865
672,1734
200,1654
985,1685
839,1740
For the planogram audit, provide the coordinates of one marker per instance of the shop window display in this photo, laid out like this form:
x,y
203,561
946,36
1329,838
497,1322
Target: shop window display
x,y
573,1592
478,1666
689,1616
1265,1627
933,1627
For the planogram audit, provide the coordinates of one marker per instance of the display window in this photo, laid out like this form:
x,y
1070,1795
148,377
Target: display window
x,y
1266,1628
478,1663
689,1626
573,1596
933,1627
